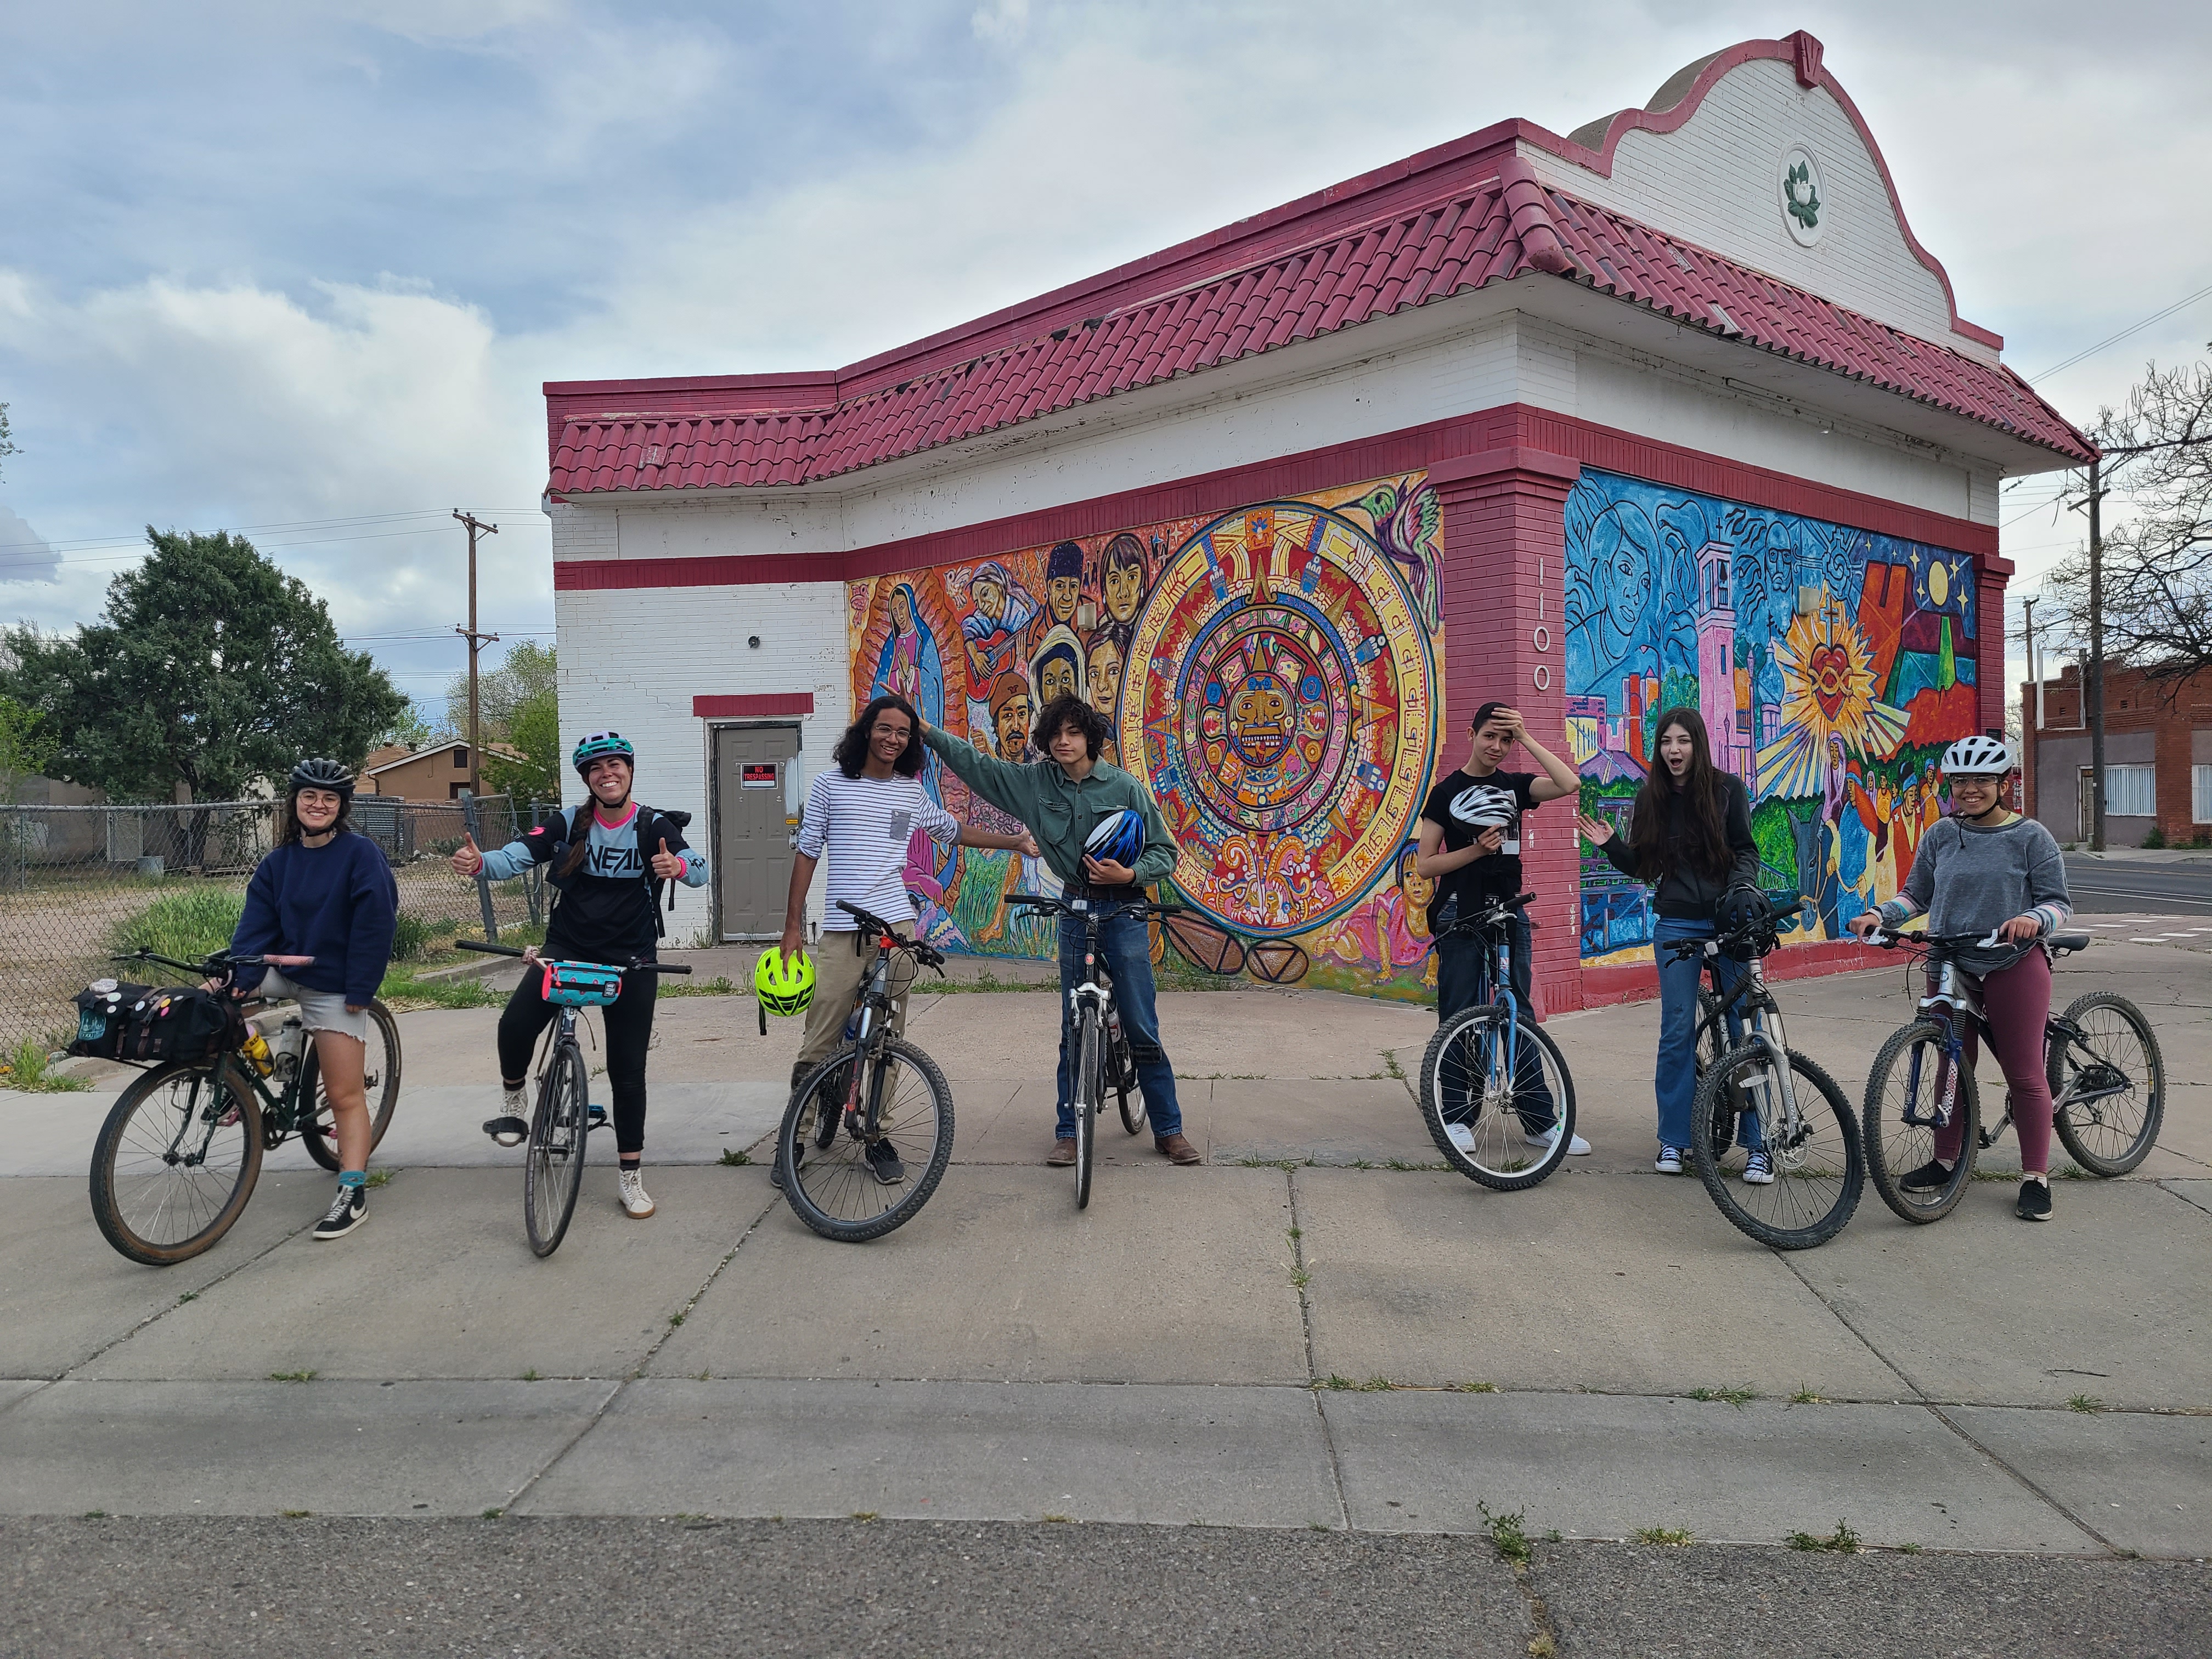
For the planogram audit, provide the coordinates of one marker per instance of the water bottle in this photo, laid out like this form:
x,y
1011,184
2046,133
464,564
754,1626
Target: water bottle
x,y
256,1049
291,1043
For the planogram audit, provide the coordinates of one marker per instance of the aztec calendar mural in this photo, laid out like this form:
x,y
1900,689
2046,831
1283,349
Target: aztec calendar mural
x,y
1281,699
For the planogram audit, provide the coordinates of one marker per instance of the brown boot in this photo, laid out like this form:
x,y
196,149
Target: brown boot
x,y
1177,1148
1063,1153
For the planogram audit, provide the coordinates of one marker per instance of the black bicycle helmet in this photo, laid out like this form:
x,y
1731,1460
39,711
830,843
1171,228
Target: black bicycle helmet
x,y
1743,906
320,774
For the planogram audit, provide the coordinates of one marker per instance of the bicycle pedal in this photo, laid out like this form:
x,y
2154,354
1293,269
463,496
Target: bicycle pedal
x,y
595,1117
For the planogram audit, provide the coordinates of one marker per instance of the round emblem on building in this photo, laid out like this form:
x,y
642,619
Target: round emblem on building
x,y
1283,715
1804,212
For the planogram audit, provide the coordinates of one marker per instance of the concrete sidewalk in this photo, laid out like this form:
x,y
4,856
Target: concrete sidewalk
x,y
1318,1328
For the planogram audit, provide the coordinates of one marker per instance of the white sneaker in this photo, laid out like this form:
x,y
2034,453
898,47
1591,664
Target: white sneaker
x,y
635,1204
1669,1161
1460,1136
1576,1148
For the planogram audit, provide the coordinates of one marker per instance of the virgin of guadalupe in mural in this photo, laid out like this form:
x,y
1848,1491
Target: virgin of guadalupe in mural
x,y
908,666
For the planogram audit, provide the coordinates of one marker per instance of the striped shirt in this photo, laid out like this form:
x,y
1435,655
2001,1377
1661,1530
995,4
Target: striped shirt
x,y
865,824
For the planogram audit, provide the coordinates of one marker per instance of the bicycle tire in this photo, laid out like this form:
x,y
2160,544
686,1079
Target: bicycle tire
x,y
1713,1039
129,1196
802,1163
381,1085
2083,1125
1090,1078
553,1157
1445,1066
1817,1147
1890,1156
1127,1089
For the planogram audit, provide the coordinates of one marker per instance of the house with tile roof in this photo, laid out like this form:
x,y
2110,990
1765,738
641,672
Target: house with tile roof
x,y
1287,501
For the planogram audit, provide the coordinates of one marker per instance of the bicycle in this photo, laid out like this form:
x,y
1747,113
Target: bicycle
x,y
868,1113
1103,1057
1478,1077
562,1122
2107,1078
1753,1097
178,1157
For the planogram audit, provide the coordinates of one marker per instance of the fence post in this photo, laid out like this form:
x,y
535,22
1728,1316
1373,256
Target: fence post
x,y
484,882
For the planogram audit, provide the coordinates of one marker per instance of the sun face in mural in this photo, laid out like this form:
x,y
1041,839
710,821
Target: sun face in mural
x,y
1828,697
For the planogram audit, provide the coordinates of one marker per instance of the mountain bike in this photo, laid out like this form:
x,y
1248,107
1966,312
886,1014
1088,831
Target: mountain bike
x,y
1493,1085
2107,1078
860,1122
564,1119
1757,1095
1103,1061
177,1158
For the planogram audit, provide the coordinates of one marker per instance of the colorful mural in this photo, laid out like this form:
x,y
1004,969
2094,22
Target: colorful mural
x,y
1830,665
1275,676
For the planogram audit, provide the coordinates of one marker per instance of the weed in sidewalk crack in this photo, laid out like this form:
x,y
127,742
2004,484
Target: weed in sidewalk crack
x,y
291,1376
1679,1537
1841,1541
1509,1534
1391,1068
2084,1402
1805,1396
1477,1388
1737,1397
732,1158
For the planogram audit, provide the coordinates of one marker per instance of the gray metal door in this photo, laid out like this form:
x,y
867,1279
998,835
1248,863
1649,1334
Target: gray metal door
x,y
752,840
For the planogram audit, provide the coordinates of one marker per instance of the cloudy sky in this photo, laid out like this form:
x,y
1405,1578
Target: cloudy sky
x,y
300,268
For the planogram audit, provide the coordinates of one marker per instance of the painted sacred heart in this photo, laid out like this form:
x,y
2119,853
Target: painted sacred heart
x,y
1828,672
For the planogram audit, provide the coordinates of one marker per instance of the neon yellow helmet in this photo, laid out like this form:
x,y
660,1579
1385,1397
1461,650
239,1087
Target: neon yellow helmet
x,y
784,984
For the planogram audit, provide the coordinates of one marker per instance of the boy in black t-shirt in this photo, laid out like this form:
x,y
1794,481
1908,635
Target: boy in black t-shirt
x,y
1470,846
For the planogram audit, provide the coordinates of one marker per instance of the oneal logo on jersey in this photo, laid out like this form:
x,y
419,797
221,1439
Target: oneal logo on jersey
x,y
616,862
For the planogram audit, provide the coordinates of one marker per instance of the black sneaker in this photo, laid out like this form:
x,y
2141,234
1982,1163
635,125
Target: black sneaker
x,y
350,1208
1930,1177
884,1161
2034,1201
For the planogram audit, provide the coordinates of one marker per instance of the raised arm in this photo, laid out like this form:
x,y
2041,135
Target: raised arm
x,y
1002,783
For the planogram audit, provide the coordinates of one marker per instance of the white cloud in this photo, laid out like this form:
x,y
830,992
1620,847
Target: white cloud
x,y
24,554
1000,22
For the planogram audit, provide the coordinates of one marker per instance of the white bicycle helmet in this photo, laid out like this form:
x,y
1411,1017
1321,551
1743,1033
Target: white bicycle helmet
x,y
1486,806
1979,757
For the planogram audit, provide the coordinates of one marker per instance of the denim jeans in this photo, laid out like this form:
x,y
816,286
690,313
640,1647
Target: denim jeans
x,y
1674,1079
1125,950
1463,980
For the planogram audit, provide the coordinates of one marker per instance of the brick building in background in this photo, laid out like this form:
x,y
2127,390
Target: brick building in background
x,y
1672,409
2158,758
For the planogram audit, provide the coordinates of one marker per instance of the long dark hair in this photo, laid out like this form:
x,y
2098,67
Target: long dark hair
x,y
287,816
1704,843
851,753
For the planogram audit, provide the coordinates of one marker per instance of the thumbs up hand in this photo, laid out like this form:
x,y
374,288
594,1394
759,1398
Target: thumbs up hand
x,y
669,866
467,860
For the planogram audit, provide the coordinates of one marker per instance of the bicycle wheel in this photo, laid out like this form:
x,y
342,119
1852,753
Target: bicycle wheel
x,y
175,1162
2108,1084
1815,1151
553,1164
1129,1094
1497,1091
1911,1075
1090,1086
827,1177
380,1077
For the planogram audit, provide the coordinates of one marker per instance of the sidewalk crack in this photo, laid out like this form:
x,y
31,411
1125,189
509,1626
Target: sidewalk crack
x,y
1303,1277
223,1278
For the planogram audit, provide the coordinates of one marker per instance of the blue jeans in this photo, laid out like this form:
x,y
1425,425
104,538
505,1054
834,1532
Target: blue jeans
x,y
1124,949
1464,972
1674,1079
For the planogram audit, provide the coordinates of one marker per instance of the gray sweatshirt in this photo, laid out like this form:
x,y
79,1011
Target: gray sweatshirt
x,y
1972,880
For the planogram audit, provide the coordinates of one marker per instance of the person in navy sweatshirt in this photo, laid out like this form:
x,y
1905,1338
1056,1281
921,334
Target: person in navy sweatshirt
x,y
325,893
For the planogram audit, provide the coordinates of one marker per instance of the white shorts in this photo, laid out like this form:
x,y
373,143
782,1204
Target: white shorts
x,y
320,1010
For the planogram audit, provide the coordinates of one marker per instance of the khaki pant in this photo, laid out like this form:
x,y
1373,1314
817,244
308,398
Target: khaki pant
x,y
837,974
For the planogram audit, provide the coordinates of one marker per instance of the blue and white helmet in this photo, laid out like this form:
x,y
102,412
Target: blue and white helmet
x,y
1486,806
1117,838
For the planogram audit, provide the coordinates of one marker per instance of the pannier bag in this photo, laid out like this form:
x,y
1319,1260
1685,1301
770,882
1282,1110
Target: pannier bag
x,y
150,1026
581,984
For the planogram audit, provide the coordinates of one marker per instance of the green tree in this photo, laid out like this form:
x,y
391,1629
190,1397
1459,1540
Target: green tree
x,y
527,672
411,729
533,728
6,448
26,751
209,668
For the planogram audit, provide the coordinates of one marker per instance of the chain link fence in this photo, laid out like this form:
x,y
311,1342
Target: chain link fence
x,y
78,883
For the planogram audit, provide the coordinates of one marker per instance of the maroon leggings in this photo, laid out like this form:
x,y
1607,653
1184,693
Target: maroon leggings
x,y
2017,1001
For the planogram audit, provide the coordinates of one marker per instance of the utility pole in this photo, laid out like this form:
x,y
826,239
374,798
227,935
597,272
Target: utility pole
x,y
2092,685
478,642
2031,729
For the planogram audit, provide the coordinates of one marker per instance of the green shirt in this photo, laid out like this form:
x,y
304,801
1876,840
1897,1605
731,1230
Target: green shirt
x,y
1060,811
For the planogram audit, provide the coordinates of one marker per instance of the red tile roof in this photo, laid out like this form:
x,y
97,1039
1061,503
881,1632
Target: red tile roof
x,y
1506,228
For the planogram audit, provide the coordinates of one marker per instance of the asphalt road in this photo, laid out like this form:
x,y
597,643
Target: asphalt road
x,y
2112,887
689,1586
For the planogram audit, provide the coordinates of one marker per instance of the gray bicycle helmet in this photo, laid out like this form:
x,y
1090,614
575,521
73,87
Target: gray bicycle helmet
x,y
321,774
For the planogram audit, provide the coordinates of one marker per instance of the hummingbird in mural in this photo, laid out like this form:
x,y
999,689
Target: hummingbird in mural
x,y
1405,529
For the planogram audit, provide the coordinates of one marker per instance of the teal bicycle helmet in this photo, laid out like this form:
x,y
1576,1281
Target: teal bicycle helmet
x,y
599,746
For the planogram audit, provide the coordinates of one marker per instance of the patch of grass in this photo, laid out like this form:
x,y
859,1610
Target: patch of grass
x,y
1841,1541
1736,1397
1540,1646
530,1375
1401,1165
1679,1537
1301,1276
187,922
493,1514
1908,1549
29,1066
1298,1232
676,985
1805,1397
674,1320
867,1514
295,1514
2084,1402
1316,1525
1332,1380
291,1376
734,1159
95,1514
1062,1519
1391,1068
1509,1534
409,934
1478,1387
377,1178
1363,1163
402,992
189,1296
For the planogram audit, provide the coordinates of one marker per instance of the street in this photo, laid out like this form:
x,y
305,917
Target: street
x,y
2112,886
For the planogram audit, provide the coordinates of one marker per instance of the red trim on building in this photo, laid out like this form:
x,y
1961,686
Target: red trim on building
x,y
757,706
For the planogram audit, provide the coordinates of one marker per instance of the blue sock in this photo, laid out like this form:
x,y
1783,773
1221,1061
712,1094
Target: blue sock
x,y
352,1178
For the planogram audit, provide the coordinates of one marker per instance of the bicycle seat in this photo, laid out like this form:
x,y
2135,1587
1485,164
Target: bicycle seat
x,y
2067,940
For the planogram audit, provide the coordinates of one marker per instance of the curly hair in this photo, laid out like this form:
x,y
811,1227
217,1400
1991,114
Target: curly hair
x,y
1063,712
851,753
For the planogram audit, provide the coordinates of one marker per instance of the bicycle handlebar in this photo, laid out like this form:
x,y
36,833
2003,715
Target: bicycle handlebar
x,y
921,950
642,966
1889,939
215,961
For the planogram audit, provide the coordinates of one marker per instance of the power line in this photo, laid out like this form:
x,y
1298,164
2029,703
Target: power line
x,y
2132,328
137,539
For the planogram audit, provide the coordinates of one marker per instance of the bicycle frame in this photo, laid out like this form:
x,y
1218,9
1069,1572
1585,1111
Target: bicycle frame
x,y
1761,1018
1950,1002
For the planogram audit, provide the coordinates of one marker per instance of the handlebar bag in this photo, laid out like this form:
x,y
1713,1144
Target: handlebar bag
x,y
102,1017
176,1023
581,984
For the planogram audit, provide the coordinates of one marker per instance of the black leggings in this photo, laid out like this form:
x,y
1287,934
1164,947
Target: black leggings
x,y
629,1033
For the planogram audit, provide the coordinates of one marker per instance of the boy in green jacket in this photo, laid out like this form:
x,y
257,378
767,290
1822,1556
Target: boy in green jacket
x,y
1060,800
